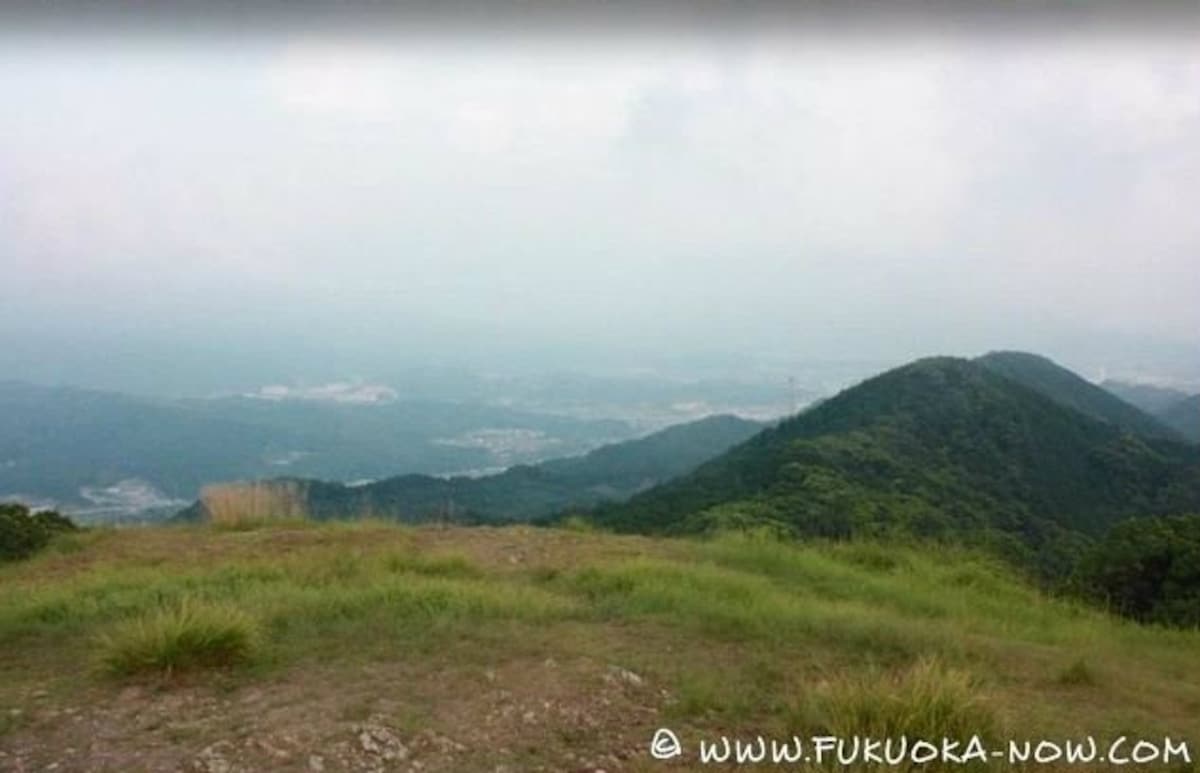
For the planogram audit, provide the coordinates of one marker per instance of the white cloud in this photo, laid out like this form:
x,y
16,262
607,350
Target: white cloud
x,y
693,186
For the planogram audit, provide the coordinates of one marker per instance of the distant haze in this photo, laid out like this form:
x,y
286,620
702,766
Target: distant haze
x,y
185,215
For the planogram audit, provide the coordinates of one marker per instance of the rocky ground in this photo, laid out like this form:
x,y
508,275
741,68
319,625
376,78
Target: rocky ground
x,y
548,715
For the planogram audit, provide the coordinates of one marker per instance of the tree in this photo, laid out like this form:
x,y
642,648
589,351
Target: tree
x,y
23,533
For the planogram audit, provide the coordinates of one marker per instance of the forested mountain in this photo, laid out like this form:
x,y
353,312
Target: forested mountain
x,y
1184,418
942,447
66,445
524,492
1149,398
1068,388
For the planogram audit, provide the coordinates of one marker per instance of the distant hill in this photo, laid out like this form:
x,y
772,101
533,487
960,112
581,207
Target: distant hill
x,y
1149,398
88,450
942,447
1184,417
525,492
1171,407
1069,389
55,441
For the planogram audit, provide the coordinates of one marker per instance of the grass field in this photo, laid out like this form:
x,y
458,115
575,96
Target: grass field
x,y
367,646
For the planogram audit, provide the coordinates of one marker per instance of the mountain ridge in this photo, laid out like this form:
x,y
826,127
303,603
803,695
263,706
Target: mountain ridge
x,y
1068,388
1149,398
1184,417
941,447
521,493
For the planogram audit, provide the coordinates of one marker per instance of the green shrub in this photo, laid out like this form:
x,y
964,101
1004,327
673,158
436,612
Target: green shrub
x,y
181,638
23,533
578,523
1147,569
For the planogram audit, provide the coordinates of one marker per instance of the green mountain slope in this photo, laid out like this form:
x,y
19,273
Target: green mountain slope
x,y
524,492
1184,418
942,447
1148,398
1065,387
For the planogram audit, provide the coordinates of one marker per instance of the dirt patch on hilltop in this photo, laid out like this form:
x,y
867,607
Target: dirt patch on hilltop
x,y
544,714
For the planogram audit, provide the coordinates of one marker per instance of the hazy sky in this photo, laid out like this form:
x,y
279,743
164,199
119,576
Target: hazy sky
x,y
289,203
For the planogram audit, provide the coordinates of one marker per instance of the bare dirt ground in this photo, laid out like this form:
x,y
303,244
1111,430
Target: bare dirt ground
x,y
546,715
537,706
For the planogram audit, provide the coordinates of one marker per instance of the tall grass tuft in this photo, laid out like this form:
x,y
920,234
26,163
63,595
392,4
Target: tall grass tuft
x,y
927,700
1078,674
234,505
186,637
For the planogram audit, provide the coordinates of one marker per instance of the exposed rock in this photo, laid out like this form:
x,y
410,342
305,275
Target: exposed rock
x,y
212,758
380,741
618,674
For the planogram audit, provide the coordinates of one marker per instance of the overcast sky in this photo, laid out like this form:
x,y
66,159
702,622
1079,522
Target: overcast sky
x,y
273,201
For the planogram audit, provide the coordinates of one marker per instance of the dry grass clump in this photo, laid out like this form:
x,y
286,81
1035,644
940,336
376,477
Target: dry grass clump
x,y
243,504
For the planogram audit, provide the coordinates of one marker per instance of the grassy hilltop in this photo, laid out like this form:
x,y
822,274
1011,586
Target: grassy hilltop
x,y
372,646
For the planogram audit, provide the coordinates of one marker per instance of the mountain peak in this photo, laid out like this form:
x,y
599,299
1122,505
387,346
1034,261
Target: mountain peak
x,y
1073,391
942,446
